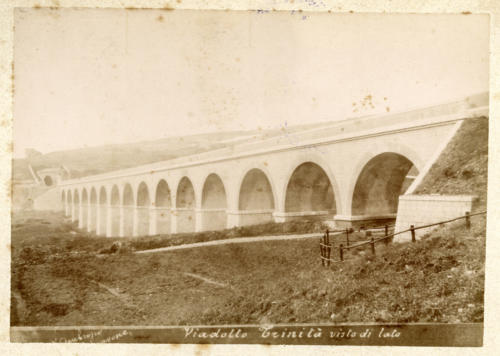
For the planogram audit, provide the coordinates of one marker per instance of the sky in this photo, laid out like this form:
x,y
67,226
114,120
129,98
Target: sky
x,y
88,77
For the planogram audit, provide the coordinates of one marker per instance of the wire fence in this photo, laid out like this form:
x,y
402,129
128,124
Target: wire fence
x,y
326,246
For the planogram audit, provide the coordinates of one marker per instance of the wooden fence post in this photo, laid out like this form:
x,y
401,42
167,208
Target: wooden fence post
x,y
347,236
467,220
327,237
373,246
386,232
329,249
412,228
341,249
321,251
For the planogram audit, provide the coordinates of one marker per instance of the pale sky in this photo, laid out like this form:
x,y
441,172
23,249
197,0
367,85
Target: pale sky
x,y
92,76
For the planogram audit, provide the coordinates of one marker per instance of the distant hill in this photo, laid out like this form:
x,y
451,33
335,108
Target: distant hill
x,y
93,160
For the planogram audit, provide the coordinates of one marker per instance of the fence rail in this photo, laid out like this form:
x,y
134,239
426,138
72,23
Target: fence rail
x,y
326,247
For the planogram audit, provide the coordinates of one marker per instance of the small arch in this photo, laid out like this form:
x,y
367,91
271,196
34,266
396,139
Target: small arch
x,y
93,210
76,205
48,181
185,205
143,205
162,204
115,211
256,198
103,211
128,210
84,208
214,203
382,180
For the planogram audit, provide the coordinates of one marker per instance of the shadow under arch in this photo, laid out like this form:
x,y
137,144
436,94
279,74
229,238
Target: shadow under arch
x,y
309,191
114,200
256,198
128,206
143,205
163,203
185,203
213,203
102,211
379,184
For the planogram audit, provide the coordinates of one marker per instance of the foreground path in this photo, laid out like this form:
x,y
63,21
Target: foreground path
x,y
238,240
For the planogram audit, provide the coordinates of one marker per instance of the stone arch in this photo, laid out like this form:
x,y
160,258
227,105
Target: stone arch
x,y
103,211
93,210
380,183
309,191
69,203
63,201
185,204
256,198
114,200
128,206
213,203
48,181
143,205
84,209
163,203
322,163
76,205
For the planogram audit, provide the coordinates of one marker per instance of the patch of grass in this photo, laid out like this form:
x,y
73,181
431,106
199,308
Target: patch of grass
x,y
462,168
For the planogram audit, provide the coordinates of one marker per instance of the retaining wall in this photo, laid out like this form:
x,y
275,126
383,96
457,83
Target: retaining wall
x,y
421,210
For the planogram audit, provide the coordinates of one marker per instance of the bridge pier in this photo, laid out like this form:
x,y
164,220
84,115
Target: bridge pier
x,y
98,221
153,224
183,219
109,220
211,219
80,216
163,218
237,218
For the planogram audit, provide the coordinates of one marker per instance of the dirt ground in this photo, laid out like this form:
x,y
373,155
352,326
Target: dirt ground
x,y
59,278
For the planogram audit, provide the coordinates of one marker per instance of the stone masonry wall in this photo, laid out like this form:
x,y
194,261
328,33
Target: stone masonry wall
x,y
421,210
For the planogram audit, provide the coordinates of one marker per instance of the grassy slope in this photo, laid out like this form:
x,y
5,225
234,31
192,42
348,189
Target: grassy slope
x,y
437,279
462,168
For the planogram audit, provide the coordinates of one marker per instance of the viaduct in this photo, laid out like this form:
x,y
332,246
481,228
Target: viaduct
x,y
352,171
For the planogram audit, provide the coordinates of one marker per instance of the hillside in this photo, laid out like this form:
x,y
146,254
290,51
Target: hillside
x,y
100,159
462,168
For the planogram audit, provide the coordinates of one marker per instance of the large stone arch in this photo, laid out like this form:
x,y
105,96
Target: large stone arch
x,y
256,197
309,193
163,204
143,205
93,210
102,210
128,206
379,184
114,219
322,163
213,203
363,160
185,204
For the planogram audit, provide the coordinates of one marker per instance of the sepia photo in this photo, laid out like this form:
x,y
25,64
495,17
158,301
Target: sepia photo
x,y
276,177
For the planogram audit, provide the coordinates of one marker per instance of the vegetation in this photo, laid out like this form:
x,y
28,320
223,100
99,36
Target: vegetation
x,y
462,167
440,278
